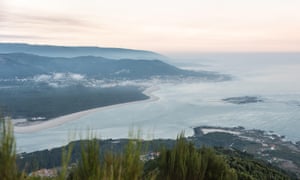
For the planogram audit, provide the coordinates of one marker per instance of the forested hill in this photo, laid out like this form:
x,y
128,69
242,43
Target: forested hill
x,y
23,65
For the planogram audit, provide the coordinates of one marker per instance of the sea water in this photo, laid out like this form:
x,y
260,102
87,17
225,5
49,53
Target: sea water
x,y
274,78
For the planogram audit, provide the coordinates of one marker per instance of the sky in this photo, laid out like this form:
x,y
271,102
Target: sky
x,y
165,26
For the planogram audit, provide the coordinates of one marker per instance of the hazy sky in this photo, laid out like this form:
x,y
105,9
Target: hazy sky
x,y
165,26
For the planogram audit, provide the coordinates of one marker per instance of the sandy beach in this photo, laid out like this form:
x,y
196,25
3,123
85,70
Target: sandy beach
x,y
75,116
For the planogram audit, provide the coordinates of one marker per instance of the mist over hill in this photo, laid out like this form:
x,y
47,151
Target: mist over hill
x,y
21,65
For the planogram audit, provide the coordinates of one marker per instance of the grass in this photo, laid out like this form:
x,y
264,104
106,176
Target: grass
x,y
8,167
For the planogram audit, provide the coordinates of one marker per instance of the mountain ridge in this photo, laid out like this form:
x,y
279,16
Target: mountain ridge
x,y
27,65
74,51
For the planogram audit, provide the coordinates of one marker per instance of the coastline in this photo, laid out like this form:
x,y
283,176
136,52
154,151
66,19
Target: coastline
x,y
75,116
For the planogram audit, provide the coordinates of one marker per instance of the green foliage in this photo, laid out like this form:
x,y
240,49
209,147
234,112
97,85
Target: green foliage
x,y
66,156
132,165
184,161
89,164
8,167
127,166
249,169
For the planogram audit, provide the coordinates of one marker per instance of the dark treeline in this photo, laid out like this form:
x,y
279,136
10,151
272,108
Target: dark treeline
x,y
31,100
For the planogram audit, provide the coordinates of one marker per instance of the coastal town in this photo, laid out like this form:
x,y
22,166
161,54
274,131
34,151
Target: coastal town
x,y
268,146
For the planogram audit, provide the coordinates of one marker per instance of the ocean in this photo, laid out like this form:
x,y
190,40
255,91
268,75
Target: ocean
x,y
271,77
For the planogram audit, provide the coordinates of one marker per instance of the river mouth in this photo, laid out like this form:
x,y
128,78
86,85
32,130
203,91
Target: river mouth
x,y
188,104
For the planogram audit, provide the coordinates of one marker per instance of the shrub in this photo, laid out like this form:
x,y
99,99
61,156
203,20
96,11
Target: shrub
x,y
127,166
8,167
184,161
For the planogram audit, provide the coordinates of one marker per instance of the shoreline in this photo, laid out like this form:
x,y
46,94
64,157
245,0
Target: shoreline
x,y
77,115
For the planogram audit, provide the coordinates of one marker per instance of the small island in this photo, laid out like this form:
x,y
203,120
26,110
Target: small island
x,y
243,100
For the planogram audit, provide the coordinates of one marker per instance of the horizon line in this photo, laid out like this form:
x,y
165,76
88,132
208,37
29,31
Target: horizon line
x,y
175,52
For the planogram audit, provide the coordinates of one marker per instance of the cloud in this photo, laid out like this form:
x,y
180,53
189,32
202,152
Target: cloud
x,y
38,21
44,23
47,28
13,36
60,80
50,19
